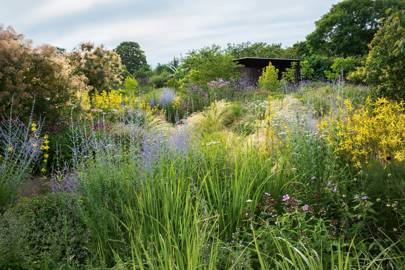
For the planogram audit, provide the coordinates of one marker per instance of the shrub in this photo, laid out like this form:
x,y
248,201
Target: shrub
x,y
161,79
314,66
35,76
102,68
43,232
385,64
269,79
290,74
341,67
111,101
208,64
373,131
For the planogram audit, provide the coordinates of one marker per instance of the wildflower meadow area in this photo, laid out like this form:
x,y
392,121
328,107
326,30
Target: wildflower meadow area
x,y
108,163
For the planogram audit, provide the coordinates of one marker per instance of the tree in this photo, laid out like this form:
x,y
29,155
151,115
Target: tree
x,y
208,64
102,67
349,26
133,57
314,66
259,49
385,64
341,67
269,79
42,75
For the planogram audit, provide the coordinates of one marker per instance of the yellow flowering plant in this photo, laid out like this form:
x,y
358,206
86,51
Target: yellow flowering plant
x,y
112,101
45,154
373,130
177,102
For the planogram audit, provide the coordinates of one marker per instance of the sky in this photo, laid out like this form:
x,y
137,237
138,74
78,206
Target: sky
x,y
163,28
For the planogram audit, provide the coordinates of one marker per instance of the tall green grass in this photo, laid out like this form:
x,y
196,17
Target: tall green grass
x,y
199,209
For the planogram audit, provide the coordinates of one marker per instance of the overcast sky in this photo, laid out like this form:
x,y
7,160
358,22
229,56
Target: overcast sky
x,y
163,28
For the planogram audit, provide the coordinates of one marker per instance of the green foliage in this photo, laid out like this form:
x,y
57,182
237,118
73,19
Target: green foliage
x,y
307,72
313,67
207,64
102,68
165,75
385,64
19,150
323,99
160,79
269,79
290,74
341,67
131,85
242,183
40,76
43,232
259,49
133,57
349,26
388,202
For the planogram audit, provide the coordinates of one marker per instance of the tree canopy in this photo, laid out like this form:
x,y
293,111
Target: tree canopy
x,y
349,26
102,67
208,64
133,57
260,49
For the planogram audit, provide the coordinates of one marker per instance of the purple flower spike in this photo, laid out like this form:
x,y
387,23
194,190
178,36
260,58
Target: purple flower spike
x,y
286,198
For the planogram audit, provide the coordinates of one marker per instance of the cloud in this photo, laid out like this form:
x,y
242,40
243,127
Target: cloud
x,y
167,28
56,8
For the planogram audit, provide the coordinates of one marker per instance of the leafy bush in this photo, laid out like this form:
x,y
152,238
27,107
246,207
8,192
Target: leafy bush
x,y
269,79
290,74
43,232
111,101
160,80
385,64
374,130
314,66
102,68
341,67
208,64
39,79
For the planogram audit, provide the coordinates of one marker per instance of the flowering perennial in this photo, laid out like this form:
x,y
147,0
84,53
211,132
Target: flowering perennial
x,y
374,130
112,101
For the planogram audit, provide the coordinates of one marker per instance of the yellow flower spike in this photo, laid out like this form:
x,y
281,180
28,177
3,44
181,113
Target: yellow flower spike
x,y
348,105
45,147
177,102
34,127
